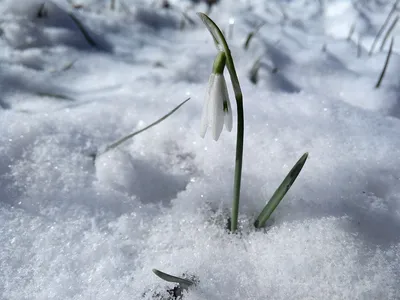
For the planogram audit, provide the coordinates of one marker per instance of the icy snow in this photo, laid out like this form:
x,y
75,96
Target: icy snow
x,y
75,228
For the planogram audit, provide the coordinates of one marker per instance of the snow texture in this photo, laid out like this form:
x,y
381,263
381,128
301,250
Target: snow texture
x,y
77,75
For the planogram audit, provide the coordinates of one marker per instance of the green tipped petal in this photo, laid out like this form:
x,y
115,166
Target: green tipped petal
x,y
219,63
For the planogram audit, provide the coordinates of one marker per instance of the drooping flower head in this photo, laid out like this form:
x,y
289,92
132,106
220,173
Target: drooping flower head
x,y
217,107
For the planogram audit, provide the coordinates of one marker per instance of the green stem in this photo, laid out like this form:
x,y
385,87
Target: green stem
x,y
238,164
222,45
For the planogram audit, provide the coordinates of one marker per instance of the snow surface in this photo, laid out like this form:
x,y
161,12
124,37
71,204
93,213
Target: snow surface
x,y
72,228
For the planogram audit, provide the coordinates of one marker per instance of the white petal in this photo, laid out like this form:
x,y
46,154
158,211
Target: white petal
x,y
227,114
228,117
204,118
216,106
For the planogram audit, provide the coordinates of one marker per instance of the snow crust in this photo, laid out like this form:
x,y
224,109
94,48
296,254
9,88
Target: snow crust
x,y
77,228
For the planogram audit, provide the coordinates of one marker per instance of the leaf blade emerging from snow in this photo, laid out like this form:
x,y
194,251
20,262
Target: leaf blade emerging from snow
x,y
280,192
170,278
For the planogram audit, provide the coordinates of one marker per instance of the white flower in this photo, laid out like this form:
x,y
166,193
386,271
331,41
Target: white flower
x,y
217,107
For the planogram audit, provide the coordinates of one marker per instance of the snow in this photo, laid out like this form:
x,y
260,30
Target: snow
x,y
77,228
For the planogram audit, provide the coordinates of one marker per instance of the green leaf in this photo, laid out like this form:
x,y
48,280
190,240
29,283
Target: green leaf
x,y
170,278
251,35
85,33
253,74
378,84
280,192
69,65
57,96
222,45
124,139
213,29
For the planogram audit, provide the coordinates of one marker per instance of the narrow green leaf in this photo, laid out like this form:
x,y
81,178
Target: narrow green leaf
x,y
280,192
251,35
351,31
392,26
378,84
187,18
125,7
170,278
58,96
119,142
69,65
359,46
85,33
42,12
382,29
253,74
66,67
112,5
213,29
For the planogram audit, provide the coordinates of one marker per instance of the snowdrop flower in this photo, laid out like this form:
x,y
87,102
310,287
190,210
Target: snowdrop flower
x,y
217,107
